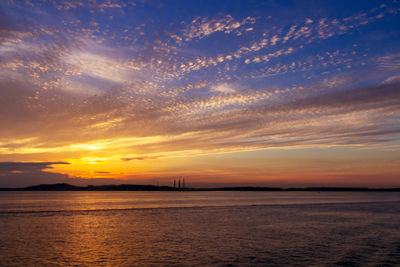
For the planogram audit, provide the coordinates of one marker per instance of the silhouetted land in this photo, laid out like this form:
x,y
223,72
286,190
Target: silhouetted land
x,y
128,187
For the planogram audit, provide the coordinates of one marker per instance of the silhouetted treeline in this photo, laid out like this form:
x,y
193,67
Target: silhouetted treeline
x,y
129,187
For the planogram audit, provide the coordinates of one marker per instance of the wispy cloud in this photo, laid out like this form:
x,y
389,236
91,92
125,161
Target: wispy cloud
x,y
200,28
140,158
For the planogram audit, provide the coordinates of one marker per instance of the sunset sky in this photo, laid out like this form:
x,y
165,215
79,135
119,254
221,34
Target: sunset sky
x,y
262,93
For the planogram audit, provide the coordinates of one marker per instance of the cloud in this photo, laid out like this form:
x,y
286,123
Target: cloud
x,y
22,174
100,172
392,79
389,62
368,97
13,28
200,28
26,166
223,88
140,158
18,174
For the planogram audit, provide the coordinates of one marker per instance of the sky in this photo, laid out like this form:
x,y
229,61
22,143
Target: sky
x,y
219,93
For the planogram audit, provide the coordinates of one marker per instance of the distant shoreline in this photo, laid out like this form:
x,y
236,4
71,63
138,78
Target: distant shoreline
x,y
128,187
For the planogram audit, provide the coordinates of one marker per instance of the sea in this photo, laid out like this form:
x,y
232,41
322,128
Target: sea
x,y
112,228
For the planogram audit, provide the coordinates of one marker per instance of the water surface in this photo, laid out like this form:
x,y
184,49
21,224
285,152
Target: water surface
x,y
199,228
